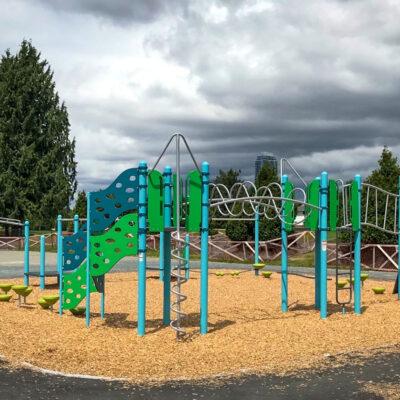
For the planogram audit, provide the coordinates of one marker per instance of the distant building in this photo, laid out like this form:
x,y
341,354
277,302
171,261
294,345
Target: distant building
x,y
262,159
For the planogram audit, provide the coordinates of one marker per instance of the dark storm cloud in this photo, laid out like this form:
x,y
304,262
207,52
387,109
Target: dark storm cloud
x,y
306,79
121,11
318,82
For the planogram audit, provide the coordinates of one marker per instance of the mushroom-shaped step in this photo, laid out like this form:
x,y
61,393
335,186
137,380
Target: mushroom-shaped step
x,y
378,290
43,303
19,289
5,287
51,299
266,274
78,311
5,297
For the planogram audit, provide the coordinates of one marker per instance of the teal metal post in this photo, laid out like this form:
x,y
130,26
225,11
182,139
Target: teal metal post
x,y
161,256
323,225
76,223
284,254
167,245
187,256
26,253
357,253
398,242
256,239
60,262
142,248
103,297
42,282
205,182
88,228
317,260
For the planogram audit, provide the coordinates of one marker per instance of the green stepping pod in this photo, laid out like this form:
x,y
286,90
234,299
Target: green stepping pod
x,y
105,251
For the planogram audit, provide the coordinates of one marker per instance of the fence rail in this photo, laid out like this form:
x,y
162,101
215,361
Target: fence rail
x,y
380,257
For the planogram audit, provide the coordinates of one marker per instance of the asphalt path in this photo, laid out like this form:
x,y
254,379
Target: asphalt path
x,y
349,381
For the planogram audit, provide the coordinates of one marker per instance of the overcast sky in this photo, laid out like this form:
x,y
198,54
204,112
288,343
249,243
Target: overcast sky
x,y
317,82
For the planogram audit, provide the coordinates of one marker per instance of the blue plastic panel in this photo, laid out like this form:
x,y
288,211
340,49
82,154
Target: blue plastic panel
x,y
108,204
74,249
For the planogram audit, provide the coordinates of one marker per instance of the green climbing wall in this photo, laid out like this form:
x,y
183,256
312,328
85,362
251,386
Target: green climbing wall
x,y
106,250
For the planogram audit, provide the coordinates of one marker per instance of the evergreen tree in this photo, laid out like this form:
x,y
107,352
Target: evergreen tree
x,y
80,205
269,229
228,178
37,158
386,177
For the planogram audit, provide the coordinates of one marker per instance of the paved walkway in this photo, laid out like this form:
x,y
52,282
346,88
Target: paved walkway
x,y
349,381
12,266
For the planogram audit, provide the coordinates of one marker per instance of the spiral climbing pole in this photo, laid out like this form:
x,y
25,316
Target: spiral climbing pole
x,y
178,272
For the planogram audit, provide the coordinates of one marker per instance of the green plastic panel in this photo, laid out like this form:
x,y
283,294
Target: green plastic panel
x,y
74,287
333,206
120,241
193,201
174,200
355,207
155,202
106,250
289,207
311,221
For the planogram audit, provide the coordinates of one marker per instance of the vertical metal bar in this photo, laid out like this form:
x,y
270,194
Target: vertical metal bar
x,y
178,188
317,257
88,228
284,254
205,181
187,256
324,244
398,240
161,256
76,223
103,297
60,265
357,253
26,253
366,206
142,248
42,282
317,261
256,239
167,245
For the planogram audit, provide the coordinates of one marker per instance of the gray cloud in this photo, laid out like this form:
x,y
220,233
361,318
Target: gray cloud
x,y
318,83
121,11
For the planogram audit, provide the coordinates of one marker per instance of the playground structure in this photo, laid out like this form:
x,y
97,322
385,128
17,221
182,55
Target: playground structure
x,y
142,201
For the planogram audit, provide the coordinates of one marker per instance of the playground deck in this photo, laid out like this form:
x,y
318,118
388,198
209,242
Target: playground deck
x,y
248,332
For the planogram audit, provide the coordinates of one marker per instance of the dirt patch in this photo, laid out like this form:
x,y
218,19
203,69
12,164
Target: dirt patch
x,y
248,332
